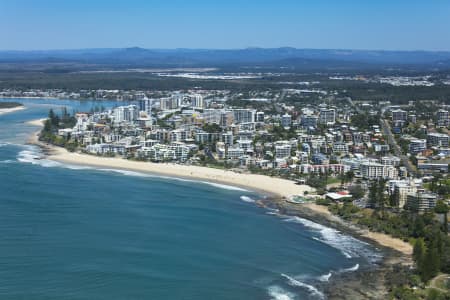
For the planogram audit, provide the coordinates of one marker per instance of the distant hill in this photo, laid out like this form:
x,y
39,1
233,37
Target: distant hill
x,y
275,57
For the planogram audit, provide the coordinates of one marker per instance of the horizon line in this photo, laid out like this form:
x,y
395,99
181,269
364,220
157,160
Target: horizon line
x,y
221,49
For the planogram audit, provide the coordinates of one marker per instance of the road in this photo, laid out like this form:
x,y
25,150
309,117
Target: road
x,y
386,129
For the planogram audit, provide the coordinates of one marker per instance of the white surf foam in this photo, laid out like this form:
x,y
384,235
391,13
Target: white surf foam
x,y
349,246
126,172
8,161
247,199
325,277
225,186
351,269
310,288
273,211
33,155
277,293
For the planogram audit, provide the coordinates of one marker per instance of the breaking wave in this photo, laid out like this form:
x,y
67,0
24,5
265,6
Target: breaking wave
x,y
33,155
224,186
277,293
351,269
349,246
8,161
325,277
310,288
247,199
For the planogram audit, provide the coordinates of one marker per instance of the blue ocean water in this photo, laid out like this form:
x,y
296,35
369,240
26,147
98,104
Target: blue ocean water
x,y
73,232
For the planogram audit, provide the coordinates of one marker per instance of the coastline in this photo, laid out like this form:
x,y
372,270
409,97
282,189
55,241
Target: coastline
x,y
363,284
10,110
279,189
273,186
268,185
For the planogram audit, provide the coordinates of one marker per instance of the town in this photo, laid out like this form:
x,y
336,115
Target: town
x,y
339,146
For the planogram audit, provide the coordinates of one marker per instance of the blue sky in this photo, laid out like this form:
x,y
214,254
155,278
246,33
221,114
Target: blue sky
x,y
342,24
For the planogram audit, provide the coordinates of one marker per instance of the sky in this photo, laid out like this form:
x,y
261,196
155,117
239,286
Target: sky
x,y
230,24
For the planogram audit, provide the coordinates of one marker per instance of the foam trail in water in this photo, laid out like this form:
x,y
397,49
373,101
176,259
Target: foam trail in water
x,y
349,246
8,161
277,293
351,269
33,155
126,173
225,186
311,289
325,277
247,199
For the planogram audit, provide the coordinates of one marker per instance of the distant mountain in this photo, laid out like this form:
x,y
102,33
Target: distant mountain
x,y
215,57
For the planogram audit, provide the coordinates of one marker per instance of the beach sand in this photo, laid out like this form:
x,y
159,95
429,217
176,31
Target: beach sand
x,y
271,185
380,238
10,110
38,122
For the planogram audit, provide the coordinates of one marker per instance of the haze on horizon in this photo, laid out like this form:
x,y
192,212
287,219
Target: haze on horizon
x,y
321,24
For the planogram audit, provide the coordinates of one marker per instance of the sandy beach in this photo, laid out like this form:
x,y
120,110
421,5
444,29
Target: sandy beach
x,y
381,238
10,110
269,185
38,122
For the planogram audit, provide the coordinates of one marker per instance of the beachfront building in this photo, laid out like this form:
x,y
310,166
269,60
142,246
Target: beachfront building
x,y
163,152
322,169
420,201
282,149
400,189
231,153
372,170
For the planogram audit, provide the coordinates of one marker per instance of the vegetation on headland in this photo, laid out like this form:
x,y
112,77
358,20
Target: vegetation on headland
x,y
427,232
52,124
10,104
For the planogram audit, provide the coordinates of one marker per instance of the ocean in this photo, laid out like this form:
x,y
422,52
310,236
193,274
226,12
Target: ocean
x,y
75,232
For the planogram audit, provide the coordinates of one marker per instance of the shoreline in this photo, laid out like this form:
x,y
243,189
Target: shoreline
x,y
271,186
10,110
362,284
275,188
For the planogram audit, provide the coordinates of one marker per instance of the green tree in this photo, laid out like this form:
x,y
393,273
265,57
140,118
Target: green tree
x,y
373,193
419,227
431,263
419,251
